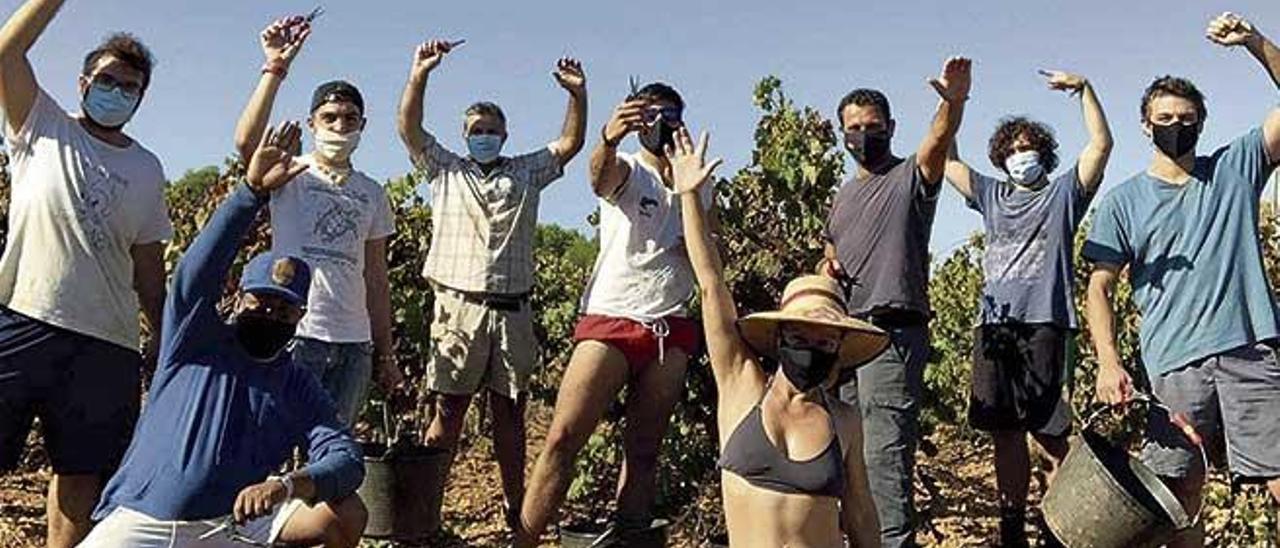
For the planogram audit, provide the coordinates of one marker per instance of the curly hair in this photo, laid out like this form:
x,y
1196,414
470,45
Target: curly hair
x,y
127,49
1000,148
1176,87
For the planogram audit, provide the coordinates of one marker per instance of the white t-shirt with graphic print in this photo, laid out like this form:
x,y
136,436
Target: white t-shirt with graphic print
x,y
77,208
327,225
643,271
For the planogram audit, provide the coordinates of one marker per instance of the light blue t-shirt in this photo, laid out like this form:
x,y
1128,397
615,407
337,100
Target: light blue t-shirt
x,y
1194,255
1027,266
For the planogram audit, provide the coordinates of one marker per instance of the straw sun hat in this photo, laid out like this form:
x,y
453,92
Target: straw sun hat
x,y
814,300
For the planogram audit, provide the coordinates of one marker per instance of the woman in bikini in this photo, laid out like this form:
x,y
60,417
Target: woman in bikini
x,y
790,454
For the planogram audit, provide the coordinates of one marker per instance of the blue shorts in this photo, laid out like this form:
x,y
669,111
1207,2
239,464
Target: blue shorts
x,y
85,391
344,369
1233,396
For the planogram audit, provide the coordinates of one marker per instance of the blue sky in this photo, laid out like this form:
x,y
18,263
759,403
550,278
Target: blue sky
x,y
713,52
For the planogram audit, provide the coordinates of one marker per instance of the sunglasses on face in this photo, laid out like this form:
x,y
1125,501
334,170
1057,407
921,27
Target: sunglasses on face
x,y
671,116
109,83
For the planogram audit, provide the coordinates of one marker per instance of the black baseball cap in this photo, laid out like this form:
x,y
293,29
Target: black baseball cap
x,y
337,91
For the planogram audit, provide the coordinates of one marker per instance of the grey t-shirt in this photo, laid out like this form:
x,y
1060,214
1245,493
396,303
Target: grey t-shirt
x,y
880,228
1027,266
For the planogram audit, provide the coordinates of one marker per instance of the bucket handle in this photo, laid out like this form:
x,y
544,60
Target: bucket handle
x,y
1186,428
388,435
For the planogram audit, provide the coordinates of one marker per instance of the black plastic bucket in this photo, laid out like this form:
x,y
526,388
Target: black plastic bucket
x,y
588,535
403,489
718,541
1102,497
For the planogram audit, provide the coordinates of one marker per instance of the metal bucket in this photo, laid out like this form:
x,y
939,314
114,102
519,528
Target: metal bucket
x,y
593,536
1102,497
403,488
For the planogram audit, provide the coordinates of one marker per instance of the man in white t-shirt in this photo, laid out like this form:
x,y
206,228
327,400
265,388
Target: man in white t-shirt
x,y
85,252
336,218
635,330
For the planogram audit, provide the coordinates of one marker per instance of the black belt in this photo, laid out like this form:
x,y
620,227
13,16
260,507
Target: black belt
x,y
505,303
895,318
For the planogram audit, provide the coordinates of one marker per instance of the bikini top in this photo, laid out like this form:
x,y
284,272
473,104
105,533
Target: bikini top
x,y
749,454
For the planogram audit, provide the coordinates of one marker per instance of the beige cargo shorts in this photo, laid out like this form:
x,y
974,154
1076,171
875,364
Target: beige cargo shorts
x,y
474,345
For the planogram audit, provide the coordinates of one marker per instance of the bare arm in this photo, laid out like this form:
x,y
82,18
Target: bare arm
x,y
858,517
958,172
953,87
378,300
1231,30
18,86
149,284
1114,383
1093,160
409,120
719,313
281,43
607,172
570,76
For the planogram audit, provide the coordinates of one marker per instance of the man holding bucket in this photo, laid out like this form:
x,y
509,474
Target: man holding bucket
x,y
1187,229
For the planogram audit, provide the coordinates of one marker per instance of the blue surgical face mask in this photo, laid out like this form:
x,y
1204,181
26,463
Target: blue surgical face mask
x,y
109,106
1025,168
484,148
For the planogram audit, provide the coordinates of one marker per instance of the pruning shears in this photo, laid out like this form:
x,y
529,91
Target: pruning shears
x,y
227,529
315,14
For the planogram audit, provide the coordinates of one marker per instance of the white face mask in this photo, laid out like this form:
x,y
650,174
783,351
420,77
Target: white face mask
x,y
336,148
1024,167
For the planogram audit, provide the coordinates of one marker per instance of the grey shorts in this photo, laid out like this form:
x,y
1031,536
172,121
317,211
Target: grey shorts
x,y
1234,395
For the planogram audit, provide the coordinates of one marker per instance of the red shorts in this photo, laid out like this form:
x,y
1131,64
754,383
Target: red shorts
x,y
639,341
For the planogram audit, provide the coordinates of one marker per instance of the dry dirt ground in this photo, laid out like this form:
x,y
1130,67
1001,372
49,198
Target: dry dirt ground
x,y
956,495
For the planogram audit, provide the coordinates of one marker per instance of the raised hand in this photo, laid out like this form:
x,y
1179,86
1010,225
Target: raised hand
x,y
283,39
1064,81
953,84
627,117
689,164
429,55
1230,29
272,165
569,75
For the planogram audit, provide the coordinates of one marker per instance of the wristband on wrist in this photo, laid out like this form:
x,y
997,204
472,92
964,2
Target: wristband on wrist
x,y
287,482
604,135
277,68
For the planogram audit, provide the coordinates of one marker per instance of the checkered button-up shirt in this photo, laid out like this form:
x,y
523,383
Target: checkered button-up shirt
x,y
483,225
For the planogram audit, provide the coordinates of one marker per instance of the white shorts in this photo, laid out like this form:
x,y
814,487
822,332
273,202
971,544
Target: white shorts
x,y
125,528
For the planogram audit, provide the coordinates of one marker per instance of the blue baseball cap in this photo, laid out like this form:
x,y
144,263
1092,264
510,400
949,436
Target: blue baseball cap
x,y
277,274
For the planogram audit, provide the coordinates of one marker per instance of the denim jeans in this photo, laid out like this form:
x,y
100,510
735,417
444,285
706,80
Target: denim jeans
x,y
888,391
344,369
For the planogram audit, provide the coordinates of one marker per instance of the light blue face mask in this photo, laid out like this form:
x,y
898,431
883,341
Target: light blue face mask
x,y
1025,168
109,106
484,148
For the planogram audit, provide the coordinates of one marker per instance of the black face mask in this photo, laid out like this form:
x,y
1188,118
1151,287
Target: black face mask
x,y
806,368
263,338
1175,140
869,148
658,136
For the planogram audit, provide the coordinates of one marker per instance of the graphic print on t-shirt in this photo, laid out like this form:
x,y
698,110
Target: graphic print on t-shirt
x,y
339,212
1018,254
98,199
